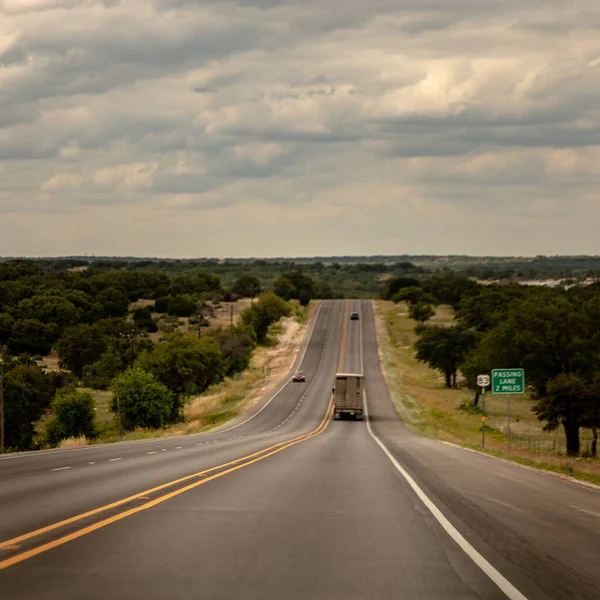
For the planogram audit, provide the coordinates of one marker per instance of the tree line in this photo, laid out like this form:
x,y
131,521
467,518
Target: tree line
x,y
552,333
85,317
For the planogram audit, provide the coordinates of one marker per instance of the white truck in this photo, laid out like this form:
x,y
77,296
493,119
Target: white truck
x,y
348,396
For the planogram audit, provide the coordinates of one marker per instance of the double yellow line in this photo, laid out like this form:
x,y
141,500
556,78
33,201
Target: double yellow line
x,y
223,469
233,466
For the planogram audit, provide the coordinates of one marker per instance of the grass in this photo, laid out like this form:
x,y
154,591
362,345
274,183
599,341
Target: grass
x,y
429,408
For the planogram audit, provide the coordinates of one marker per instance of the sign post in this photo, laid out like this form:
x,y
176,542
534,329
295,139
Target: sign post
x,y
508,381
483,381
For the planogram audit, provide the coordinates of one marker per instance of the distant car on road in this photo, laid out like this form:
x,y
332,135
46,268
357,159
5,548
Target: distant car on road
x,y
354,316
298,376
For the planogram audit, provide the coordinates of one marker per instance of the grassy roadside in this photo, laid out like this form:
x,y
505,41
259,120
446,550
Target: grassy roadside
x,y
226,400
430,409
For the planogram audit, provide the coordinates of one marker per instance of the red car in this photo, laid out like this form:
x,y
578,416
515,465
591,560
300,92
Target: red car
x,y
299,376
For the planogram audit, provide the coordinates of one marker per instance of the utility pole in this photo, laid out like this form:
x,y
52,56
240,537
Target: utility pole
x,y
1,410
231,317
200,328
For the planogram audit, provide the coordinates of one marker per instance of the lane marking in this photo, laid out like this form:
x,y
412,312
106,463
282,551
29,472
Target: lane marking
x,y
114,459
178,447
91,528
95,511
154,452
91,463
505,586
61,468
344,336
589,512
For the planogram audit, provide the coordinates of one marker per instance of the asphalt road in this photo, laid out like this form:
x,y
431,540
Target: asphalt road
x,y
312,508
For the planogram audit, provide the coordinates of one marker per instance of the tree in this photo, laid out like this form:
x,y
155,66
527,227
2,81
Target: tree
x,y
28,392
449,287
114,302
143,321
182,306
268,310
410,295
236,346
80,345
73,416
421,312
565,403
395,284
185,364
444,348
33,337
143,401
247,286
49,309
115,360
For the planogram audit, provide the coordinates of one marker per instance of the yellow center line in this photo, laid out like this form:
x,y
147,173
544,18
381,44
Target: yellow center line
x,y
86,530
344,336
239,463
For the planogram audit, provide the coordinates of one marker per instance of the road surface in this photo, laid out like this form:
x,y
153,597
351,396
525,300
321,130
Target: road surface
x,y
291,504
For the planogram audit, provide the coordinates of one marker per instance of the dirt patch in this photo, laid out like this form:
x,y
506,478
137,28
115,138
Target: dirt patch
x,y
50,362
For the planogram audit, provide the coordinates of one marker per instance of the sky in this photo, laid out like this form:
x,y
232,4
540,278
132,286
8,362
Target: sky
x,y
259,128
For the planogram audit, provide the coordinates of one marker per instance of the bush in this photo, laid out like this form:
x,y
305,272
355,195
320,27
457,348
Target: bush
x,y
236,348
144,402
74,415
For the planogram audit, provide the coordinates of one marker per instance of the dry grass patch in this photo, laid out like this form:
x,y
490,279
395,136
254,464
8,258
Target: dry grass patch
x,y
429,408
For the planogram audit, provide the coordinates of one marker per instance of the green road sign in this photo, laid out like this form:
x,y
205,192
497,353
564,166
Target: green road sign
x,y
508,381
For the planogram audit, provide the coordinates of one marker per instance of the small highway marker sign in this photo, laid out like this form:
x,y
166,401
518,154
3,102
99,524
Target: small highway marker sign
x,y
508,381
483,380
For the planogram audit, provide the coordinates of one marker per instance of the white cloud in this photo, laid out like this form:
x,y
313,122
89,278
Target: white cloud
x,y
285,127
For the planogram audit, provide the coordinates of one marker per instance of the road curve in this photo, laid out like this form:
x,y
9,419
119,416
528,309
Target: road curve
x,y
312,508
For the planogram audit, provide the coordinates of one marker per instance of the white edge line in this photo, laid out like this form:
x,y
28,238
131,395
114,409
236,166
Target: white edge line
x,y
508,588
114,459
61,469
297,363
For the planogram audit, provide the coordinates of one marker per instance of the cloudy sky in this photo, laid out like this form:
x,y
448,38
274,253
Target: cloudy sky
x,y
299,127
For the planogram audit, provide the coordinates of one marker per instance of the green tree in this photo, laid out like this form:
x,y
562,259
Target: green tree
x,y
143,401
410,295
185,364
236,346
395,284
247,286
182,306
268,310
143,321
444,348
114,302
49,309
28,392
449,287
421,312
80,345
73,416
565,403
33,337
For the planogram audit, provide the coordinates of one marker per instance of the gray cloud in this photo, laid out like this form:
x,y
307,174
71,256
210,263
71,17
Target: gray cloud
x,y
391,120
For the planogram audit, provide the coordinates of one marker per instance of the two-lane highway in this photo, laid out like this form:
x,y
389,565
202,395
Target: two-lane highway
x,y
308,507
